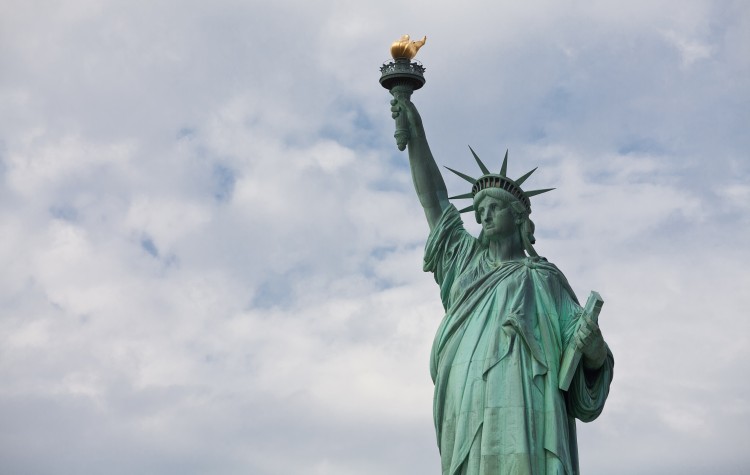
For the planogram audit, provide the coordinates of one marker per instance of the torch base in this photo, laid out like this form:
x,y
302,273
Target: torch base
x,y
402,72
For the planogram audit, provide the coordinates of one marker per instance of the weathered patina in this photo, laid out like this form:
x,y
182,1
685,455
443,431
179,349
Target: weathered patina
x,y
508,385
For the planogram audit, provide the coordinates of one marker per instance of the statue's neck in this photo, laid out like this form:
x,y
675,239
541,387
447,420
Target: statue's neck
x,y
508,249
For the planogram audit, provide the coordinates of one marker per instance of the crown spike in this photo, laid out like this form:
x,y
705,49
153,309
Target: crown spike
x,y
537,192
504,168
485,170
499,180
465,177
519,181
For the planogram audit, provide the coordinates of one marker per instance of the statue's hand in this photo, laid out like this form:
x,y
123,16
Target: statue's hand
x,y
402,106
589,340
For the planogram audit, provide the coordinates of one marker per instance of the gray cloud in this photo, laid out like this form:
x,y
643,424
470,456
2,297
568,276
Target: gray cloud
x,y
212,251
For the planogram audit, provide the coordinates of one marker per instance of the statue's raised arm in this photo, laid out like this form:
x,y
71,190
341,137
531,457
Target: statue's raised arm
x,y
401,77
428,182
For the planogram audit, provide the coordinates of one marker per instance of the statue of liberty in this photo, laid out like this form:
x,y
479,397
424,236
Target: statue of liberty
x,y
505,401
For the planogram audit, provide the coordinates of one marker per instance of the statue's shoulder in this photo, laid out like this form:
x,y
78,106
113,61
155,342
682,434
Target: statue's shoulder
x,y
539,263
547,276
543,268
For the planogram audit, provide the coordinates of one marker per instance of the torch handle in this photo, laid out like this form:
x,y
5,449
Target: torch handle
x,y
402,92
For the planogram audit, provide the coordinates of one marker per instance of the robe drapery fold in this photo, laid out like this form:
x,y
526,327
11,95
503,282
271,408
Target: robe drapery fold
x,y
496,358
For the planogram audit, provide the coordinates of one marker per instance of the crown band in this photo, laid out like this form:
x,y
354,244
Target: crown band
x,y
504,183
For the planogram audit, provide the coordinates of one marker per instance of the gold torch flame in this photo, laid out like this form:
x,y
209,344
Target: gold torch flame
x,y
405,48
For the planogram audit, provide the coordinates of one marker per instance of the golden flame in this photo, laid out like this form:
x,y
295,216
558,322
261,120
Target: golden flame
x,y
405,48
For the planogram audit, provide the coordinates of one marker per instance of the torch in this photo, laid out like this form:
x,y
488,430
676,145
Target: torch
x,y
402,77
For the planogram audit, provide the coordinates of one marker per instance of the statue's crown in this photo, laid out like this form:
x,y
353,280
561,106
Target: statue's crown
x,y
497,180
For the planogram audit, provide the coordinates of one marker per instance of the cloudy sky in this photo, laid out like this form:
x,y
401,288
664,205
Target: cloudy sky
x,y
211,249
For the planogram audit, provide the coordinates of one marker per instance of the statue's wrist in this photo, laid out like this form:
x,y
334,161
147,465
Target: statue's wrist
x,y
595,360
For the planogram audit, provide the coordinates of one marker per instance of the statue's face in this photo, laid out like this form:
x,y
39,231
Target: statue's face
x,y
496,218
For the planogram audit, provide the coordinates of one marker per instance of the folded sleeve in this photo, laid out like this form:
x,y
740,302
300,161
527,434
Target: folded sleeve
x,y
448,251
589,390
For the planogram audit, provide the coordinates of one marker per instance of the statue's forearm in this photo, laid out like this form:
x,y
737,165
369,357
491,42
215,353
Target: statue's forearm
x,y
428,182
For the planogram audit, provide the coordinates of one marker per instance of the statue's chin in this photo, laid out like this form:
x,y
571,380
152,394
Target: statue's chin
x,y
494,234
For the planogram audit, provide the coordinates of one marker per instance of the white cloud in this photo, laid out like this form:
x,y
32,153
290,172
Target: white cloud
x,y
212,251
690,50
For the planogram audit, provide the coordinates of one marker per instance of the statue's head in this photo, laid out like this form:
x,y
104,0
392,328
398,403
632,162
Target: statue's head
x,y
502,190
502,216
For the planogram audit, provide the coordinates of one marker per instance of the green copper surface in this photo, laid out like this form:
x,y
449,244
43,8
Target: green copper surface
x,y
402,77
505,358
482,166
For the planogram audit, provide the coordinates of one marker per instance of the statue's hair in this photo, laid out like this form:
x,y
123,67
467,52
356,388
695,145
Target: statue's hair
x,y
524,224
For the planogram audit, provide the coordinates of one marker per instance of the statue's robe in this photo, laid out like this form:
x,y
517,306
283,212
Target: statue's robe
x,y
496,359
